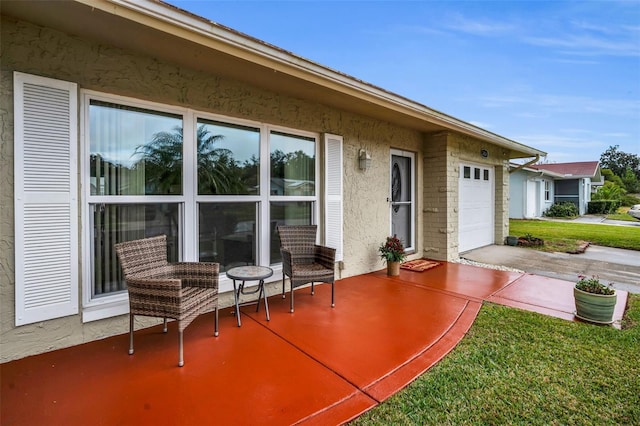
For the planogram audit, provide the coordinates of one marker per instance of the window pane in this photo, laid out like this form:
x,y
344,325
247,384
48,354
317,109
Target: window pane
x,y
286,213
467,172
293,160
228,159
476,173
114,223
485,174
228,234
134,151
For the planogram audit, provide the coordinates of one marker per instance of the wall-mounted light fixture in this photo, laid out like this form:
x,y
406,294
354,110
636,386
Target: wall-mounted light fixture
x,y
364,159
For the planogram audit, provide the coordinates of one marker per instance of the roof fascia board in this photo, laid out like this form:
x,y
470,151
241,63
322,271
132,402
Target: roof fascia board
x,y
543,172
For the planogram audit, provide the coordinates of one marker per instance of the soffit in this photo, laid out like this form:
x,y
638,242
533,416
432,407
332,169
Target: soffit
x,y
193,42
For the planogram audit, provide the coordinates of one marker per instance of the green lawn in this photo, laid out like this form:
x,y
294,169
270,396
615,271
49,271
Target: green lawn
x,y
562,236
517,367
622,214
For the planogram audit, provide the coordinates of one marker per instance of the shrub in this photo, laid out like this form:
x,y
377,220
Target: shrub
x,y
630,200
603,206
563,209
609,191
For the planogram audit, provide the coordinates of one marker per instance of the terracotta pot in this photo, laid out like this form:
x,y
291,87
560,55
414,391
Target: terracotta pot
x,y
597,308
393,269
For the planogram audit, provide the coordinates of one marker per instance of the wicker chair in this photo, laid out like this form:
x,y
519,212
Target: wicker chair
x,y
304,261
181,290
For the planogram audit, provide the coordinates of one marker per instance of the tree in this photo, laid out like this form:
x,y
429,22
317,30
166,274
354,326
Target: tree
x,y
609,191
618,161
630,181
610,177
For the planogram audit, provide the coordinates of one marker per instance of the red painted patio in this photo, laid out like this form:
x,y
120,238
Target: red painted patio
x,y
316,366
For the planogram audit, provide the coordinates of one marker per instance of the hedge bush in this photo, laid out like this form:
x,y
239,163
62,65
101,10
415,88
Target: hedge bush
x,y
563,209
603,206
630,200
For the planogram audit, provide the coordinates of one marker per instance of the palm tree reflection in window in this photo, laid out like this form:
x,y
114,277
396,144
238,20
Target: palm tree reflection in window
x,y
218,171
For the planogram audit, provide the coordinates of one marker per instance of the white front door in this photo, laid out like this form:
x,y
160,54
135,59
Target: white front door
x,y
401,198
476,206
533,194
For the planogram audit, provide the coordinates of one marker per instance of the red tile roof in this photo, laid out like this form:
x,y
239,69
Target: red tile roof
x,y
577,169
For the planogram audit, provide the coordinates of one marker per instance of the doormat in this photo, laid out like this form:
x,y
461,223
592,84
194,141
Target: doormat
x,y
419,265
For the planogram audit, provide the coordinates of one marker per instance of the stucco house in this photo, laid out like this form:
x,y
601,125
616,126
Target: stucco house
x,y
535,188
531,191
123,119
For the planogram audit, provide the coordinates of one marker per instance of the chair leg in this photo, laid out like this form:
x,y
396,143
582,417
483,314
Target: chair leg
x,y
215,333
291,301
283,286
130,334
313,290
180,357
164,329
332,294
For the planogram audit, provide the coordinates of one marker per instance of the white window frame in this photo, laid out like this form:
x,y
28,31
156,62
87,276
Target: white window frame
x,y
117,304
547,190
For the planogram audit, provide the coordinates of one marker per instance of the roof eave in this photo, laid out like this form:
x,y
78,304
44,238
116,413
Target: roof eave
x,y
345,90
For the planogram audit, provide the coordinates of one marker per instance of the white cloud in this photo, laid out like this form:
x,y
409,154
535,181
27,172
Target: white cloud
x,y
479,27
544,104
583,38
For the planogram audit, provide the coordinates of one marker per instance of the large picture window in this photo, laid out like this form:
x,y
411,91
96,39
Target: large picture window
x,y
153,169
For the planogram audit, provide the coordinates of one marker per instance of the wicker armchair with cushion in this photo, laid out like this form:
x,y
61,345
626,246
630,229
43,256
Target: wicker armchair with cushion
x,y
157,288
304,261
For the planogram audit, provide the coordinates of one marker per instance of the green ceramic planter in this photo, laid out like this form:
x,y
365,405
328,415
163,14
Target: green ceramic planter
x,y
597,308
511,240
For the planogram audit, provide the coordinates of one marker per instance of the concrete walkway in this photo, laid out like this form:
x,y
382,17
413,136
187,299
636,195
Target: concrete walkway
x,y
317,366
622,267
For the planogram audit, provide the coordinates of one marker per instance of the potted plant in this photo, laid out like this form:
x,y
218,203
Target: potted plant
x,y
595,302
511,240
392,251
529,240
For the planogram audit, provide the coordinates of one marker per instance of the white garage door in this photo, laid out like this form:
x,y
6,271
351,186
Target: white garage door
x,y
476,217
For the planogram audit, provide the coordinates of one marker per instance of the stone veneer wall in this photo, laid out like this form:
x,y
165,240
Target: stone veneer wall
x,y
443,153
41,51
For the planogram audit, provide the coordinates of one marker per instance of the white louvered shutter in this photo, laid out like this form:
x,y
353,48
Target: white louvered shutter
x,y
46,210
333,198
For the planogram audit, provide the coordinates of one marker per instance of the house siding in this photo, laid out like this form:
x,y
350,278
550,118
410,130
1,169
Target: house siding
x,y
42,51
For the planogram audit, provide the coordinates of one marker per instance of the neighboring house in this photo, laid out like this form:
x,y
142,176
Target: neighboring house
x,y
531,191
123,119
576,183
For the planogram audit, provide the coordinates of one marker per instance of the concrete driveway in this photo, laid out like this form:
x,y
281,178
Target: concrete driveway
x,y
622,267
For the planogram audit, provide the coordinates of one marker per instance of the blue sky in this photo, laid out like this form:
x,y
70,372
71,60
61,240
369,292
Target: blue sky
x,y
561,76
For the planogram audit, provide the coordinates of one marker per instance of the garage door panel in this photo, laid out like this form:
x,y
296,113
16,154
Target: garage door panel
x,y
476,206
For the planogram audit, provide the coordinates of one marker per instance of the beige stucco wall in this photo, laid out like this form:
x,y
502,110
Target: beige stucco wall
x,y
31,49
